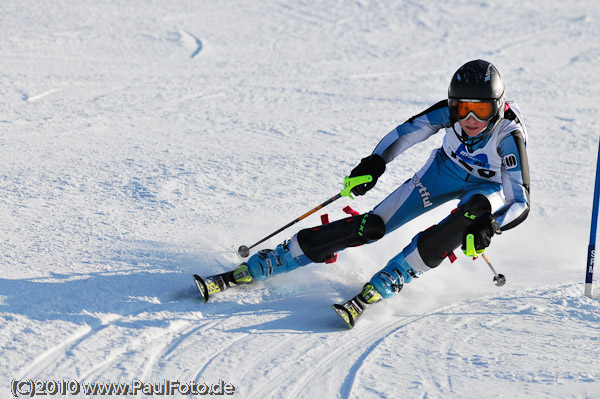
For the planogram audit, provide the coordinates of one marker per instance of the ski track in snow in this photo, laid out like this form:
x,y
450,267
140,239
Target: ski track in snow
x,y
59,354
191,42
38,97
142,143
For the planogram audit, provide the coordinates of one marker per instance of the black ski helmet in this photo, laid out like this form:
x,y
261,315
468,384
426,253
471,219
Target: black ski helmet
x,y
478,80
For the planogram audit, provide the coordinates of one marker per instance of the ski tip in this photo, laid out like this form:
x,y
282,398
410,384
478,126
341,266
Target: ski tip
x,y
344,314
201,287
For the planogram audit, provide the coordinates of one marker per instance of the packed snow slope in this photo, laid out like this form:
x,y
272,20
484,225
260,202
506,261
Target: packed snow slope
x,y
144,141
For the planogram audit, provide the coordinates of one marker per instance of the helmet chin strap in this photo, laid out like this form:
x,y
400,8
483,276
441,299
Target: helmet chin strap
x,y
471,141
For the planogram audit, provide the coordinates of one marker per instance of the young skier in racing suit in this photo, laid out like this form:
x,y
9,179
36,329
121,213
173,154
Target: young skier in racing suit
x,y
482,163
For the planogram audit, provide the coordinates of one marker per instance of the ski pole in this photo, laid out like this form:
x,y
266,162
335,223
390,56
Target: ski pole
x,y
349,184
499,279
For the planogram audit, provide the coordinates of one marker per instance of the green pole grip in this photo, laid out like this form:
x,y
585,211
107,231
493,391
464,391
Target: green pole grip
x,y
351,182
470,250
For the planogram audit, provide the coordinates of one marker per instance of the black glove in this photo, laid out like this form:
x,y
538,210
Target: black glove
x,y
372,165
482,229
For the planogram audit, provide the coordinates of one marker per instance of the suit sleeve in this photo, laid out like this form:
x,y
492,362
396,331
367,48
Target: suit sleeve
x,y
515,181
418,128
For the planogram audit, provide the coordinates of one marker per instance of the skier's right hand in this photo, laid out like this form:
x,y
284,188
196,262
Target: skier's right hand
x,y
373,165
478,236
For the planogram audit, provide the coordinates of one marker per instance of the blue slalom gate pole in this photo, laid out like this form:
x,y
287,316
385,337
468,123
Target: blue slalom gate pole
x,y
589,274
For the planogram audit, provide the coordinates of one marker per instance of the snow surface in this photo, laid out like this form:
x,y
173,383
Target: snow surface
x,y
144,141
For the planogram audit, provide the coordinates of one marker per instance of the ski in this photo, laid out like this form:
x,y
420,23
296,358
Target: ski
x,y
351,310
211,285
214,284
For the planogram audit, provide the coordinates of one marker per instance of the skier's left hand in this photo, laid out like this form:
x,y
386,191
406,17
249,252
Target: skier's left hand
x,y
477,237
373,165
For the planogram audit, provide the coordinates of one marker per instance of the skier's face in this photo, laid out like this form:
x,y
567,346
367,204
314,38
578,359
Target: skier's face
x,y
472,127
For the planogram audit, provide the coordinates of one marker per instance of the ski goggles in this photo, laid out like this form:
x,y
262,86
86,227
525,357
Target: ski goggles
x,y
482,110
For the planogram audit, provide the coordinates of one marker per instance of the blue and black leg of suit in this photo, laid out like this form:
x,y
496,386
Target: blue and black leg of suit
x,y
429,248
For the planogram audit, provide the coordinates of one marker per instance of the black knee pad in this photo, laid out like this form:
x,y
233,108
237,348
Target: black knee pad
x,y
435,243
321,242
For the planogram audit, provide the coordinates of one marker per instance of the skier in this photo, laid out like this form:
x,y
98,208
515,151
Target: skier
x,y
482,163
